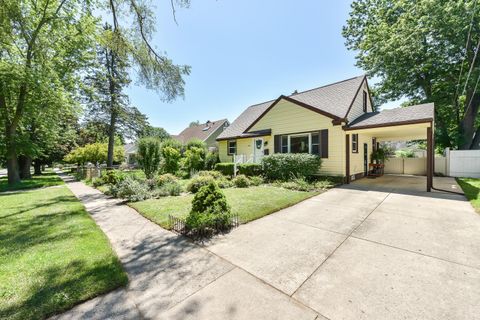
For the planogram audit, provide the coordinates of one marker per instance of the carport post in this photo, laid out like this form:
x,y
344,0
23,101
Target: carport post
x,y
429,159
347,158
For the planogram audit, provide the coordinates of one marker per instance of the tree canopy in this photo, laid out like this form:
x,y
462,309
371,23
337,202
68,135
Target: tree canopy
x,y
425,51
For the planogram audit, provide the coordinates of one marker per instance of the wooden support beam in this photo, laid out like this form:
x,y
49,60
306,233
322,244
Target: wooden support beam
x,y
347,157
429,159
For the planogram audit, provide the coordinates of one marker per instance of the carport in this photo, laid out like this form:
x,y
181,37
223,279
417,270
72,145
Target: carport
x,y
401,124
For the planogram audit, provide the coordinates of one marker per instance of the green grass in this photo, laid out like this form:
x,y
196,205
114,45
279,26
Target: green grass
x,y
471,188
52,254
47,179
249,203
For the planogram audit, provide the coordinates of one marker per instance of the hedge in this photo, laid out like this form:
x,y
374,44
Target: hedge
x,y
286,166
225,167
250,169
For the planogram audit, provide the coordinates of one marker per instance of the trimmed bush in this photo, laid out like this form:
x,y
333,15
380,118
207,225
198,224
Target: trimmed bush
x,y
163,179
199,181
210,210
286,166
250,169
149,155
225,168
241,181
131,189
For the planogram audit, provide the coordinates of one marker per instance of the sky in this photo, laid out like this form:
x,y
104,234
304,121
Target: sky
x,y
244,52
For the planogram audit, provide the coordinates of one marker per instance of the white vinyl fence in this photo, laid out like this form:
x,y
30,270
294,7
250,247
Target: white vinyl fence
x,y
463,163
455,163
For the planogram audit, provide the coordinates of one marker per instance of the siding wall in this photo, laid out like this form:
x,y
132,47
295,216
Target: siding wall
x,y
357,107
244,146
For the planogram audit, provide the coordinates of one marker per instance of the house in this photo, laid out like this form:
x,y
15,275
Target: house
x,y
207,132
336,121
130,150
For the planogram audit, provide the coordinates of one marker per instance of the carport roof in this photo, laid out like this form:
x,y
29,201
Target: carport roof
x,y
390,117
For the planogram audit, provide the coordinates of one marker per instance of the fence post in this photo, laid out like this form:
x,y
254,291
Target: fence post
x,y
234,165
447,162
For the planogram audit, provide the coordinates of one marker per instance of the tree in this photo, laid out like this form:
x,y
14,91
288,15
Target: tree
x,y
44,44
155,71
194,123
149,155
425,51
157,132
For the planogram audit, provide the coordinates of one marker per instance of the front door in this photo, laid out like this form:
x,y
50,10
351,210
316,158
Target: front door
x,y
365,158
257,149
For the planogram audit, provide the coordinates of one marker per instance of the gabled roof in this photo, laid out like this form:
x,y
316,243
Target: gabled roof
x,y
332,100
399,116
201,131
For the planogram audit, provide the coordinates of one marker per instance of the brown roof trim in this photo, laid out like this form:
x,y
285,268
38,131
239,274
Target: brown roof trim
x,y
260,133
391,124
299,103
355,97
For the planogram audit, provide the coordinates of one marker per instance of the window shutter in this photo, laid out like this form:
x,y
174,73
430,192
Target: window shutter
x,y
277,143
324,143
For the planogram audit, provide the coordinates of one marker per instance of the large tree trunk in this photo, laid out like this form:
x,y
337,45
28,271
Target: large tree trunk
x,y
113,113
467,125
37,168
476,140
25,163
111,138
12,159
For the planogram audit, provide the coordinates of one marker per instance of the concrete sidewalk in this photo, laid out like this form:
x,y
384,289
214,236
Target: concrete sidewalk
x,y
172,278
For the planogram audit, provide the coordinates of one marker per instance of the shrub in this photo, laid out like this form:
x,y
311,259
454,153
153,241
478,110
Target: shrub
x,y
256,180
132,189
171,157
163,179
210,210
168,189
172,143
250,169
225,167
197,182
149,155
211,159
241,181
195,143
113,176
285,166
213,174
194,159
299,184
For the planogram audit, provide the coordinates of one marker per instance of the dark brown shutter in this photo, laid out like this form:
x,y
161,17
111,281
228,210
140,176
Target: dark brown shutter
x,y
324,143
277,143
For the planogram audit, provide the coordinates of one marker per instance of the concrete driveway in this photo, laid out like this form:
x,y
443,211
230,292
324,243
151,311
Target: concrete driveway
x,y
375,249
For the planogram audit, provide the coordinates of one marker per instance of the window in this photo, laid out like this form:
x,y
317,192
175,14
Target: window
x,y
284,144
315,143
365,101
299,144
355,143
232,147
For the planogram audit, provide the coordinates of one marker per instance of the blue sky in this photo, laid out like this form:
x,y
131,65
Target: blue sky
x,y
244,52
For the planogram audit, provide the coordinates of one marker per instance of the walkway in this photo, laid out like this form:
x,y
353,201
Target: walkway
x,y
167,272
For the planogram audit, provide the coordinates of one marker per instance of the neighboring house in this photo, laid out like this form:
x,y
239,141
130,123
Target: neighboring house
x,y
207,132
130,153
336,121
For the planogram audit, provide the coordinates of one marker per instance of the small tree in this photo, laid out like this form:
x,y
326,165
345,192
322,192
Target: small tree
x,y
210,210
194,159
149,155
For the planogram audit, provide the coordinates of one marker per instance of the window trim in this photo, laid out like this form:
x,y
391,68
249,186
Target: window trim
x,y
365,103
301,134
355,143
228,147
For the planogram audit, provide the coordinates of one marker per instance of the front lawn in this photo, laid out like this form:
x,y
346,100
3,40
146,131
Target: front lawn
x,y
52,254
47,179
249,203
471,188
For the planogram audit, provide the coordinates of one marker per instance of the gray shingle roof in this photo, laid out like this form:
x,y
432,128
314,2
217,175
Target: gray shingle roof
x,y
200,132
334,99
415,113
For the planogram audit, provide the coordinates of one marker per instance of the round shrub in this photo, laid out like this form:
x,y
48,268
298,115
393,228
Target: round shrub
x,y
225,168
163,179
210,210
256,180
197,182
213,174
241,181
285,166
